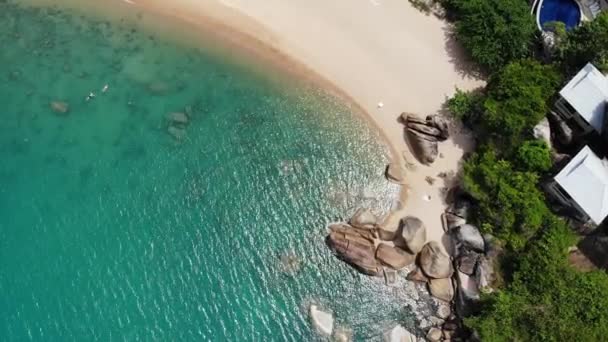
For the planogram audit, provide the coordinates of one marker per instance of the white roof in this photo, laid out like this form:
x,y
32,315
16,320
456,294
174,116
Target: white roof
x,y
585,179
587,93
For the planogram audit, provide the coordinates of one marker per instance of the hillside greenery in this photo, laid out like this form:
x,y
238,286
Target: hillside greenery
x,y
543,297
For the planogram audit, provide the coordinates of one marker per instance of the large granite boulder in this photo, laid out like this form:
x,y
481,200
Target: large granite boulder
x,y
424,147
440,124
399,334
563,132
412,234
321,320
364,218
435,263
356,249
469,237
394,257
441,289
434,335
467,262
468,294
417,275
451,221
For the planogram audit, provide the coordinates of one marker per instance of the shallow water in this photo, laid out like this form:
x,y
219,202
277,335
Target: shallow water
x,y
112,229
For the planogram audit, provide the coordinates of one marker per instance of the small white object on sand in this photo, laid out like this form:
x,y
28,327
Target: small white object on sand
x,y
323,321
380,104
427,198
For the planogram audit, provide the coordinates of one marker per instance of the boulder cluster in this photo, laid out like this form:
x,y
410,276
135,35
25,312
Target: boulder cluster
x,y
424,135
475,257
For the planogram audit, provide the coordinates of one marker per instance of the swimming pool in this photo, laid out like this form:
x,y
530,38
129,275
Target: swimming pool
x,y
565,11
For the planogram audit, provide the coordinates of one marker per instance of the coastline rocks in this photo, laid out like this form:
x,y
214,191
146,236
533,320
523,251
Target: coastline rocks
x,y
412,234
451,221
417,275
394,173
441,289
424,135
393,256
321,320
484,275
434,262
355,249
467,262
60,107
434,335
563,132
363,218
469,237
399,334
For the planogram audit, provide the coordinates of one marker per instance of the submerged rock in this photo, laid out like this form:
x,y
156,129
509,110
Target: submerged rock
x,y
412,234
394,257
435,263
176,132
399,334
364,218
178,118
60,107
321,320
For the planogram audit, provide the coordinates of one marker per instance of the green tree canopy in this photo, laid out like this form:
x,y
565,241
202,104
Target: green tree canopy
x,y
509,203
495,32
517,100
533,156
586,43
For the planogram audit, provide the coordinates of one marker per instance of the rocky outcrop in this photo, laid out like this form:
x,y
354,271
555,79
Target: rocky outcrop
x,y
424,135
321,320
411,234
451,221
434,335
435,263
563,132
399,334
394,257
417,275
441,289
177,123
467,262
363,218
468,236
354,248
60,107
395,173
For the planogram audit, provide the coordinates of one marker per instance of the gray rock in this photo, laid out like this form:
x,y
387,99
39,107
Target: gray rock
x,y
485,274
563,132
321,320
440,124
451,221
467,262
424,129
412,234
399,334
434,335
443,311
469,237
441,289
435,263
395,173
394,257
363,218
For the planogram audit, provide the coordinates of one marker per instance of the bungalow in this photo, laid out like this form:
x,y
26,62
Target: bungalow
x,y
583,100
583,186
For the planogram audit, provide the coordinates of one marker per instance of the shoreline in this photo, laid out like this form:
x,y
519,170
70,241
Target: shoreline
x,y
363,69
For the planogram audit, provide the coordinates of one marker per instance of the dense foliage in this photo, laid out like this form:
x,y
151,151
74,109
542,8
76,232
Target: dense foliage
x,y
509,203
533,156
586,43
517,100
495,32
547,299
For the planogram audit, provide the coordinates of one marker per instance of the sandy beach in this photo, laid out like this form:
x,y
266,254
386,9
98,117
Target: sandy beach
x,y
367,51
373,51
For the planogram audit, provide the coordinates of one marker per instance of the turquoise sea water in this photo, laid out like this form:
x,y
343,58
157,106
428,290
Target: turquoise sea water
x,y
111,229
